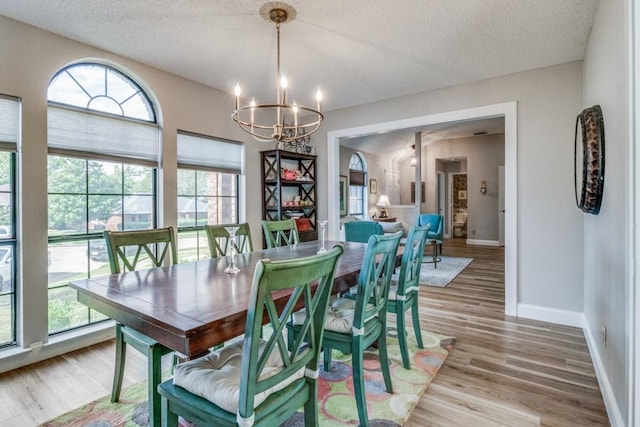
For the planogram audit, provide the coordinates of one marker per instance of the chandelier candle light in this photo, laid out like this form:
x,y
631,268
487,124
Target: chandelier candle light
x,y
292,122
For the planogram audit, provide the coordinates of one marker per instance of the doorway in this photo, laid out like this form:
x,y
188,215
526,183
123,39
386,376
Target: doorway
x,y
507,110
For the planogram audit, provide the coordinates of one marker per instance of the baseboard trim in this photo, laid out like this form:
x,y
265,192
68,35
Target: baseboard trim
x,y
613,410
551,315
478,242
60,344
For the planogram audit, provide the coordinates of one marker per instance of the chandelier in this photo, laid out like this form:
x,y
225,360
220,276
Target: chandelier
x,y
290,122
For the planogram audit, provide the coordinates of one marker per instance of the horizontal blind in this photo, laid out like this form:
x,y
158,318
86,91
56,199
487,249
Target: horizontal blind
x,y
9,122
91,133
356,177
209,153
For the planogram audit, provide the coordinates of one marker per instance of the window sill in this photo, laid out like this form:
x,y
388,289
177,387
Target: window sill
x,y
16,357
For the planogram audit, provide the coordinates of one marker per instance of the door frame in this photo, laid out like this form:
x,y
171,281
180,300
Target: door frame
x,y
449,217
508,110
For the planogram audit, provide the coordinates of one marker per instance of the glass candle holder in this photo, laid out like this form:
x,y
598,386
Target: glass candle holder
x,y
323,227
231,268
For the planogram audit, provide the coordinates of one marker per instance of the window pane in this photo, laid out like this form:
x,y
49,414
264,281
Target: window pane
x,y
6,318
6,196
186,211
66,175
64,311
105,177
186,182
192,246
103,213
138,179
6,270
138,213
67,214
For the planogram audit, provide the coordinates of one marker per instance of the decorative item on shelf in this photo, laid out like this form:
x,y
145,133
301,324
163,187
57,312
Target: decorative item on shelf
x,y
296,147
289,174
483,187
292,124
590,160
292,214
383,204
303,224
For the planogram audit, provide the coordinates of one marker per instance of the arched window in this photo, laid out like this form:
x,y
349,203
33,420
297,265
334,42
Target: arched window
x,y
98,87
357,179
103,143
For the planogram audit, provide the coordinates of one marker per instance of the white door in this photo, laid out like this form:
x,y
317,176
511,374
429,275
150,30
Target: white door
x,y
501,205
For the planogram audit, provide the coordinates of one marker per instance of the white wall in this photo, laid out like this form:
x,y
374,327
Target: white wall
x,y
606,235
483,156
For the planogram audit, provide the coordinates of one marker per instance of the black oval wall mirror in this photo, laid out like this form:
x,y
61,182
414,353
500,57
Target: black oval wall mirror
x,y
589,160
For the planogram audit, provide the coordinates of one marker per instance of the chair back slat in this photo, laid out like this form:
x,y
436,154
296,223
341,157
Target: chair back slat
x,y
219,241
309,280
375,277
154,246
409,277
280,233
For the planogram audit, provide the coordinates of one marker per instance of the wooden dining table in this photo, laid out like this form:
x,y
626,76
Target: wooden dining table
x,y
194,306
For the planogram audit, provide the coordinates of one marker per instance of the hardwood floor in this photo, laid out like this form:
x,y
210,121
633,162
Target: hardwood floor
x,y
502,371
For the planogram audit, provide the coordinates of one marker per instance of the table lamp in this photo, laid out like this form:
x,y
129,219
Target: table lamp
x,y
383,204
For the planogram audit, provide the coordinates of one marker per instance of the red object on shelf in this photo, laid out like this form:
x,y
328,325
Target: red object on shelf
x,y
303,224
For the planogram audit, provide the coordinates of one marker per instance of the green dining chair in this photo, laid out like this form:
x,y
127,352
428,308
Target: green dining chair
x,y
403,294
256,382
218,238
128,251
280,233
352,325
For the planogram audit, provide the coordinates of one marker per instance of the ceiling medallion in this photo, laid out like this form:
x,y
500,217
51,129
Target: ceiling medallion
x,y
290,123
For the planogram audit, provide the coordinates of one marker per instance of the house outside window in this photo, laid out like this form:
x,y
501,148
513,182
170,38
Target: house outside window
x,y
102,175
357,179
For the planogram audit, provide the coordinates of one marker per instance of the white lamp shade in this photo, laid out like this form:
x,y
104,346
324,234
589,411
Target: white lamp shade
x,y
383,201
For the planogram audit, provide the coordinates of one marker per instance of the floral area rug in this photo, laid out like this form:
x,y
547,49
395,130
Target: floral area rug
x,y
443,272
337,405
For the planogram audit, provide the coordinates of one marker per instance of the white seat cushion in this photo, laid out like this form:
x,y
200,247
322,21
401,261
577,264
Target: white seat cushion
x,y
216,377
340,315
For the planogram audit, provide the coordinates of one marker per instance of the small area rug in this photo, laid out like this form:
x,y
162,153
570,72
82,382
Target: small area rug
x,y
447,269
337,406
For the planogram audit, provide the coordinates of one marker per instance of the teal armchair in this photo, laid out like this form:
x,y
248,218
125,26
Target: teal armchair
x,y
436,229
360,231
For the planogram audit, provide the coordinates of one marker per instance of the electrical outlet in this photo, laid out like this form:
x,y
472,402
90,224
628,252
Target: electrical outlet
x,y
604,336
473,232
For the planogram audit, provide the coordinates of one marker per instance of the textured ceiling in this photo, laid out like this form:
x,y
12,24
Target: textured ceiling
x,y
357,51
